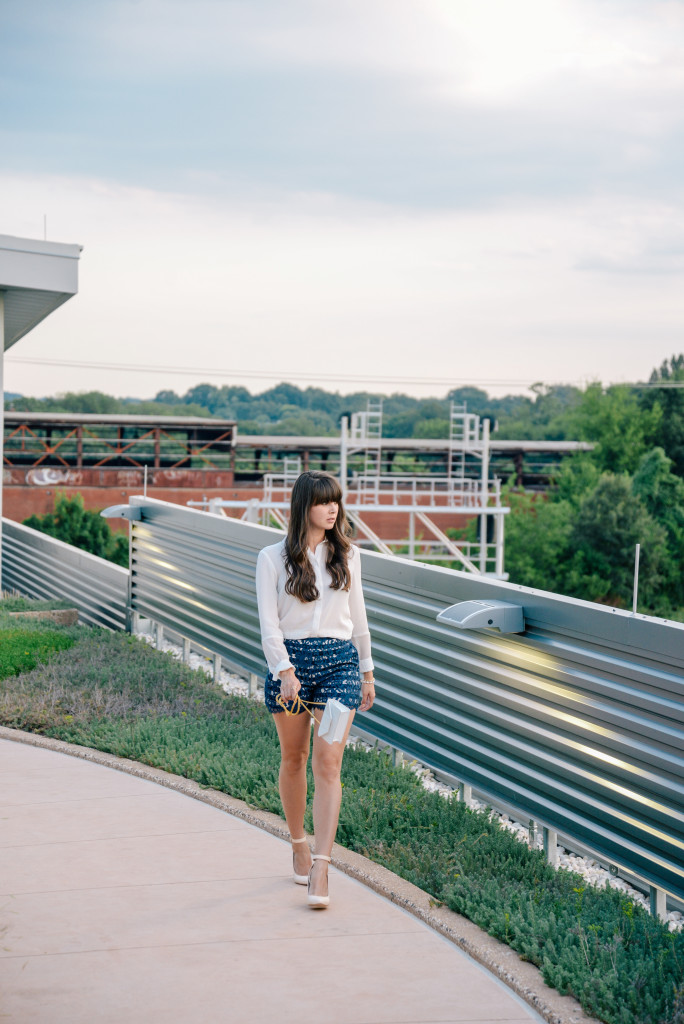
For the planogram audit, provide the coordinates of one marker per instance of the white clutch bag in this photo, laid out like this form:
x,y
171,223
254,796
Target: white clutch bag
x,y
334,721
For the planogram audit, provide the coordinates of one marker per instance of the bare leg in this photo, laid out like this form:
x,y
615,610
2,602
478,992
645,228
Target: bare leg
x,y
294,733
327,763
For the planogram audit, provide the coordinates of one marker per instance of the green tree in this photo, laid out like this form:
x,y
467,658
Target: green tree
x,y
537,532
611,520
620,428
662,493
72,523
669,399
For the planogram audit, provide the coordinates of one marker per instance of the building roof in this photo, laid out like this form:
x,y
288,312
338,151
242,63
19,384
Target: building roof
x,y
35,279
115,419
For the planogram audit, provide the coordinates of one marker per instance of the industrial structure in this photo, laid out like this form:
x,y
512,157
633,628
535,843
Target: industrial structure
x,y
404,494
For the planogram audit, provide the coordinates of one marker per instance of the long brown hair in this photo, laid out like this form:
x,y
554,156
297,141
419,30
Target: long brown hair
x,y
314,488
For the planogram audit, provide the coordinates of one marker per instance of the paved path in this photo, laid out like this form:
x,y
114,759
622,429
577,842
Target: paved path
x,y
123,901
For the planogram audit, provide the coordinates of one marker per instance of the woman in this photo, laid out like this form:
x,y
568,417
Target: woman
x,y
315,637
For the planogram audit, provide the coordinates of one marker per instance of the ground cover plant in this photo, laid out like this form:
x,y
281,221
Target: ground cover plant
x,y
113,692
21,649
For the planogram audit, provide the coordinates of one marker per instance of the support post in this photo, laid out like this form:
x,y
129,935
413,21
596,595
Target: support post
x,y
499,544
412,535
252,684
217,668
344,425
2,414
551,846
158,635
186,650
397,757
465,793
484,495
532,834
658,903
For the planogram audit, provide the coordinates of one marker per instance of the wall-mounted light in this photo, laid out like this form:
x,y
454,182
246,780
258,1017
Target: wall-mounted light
x,y
130,512
501,615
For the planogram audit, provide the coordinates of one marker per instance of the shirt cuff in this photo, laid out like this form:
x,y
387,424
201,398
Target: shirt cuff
x,y
366,665
280,667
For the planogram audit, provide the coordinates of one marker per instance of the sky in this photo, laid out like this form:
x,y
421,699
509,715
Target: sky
x,y
394,195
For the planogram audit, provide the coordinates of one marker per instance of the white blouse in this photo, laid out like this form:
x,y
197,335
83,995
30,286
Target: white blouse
x,y
336,613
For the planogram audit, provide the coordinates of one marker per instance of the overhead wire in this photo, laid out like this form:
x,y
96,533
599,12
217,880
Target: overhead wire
x,y
336,377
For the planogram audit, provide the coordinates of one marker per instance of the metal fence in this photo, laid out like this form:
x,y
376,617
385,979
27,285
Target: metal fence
x,y
40,566
578,721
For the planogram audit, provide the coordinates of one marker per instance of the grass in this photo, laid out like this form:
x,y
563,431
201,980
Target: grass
x,y
113,692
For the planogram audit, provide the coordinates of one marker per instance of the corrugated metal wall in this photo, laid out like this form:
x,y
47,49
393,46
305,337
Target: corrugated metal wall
x,y
42,567
579,722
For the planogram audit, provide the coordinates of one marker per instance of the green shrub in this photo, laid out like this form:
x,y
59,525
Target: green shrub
x,y
22,649
115,693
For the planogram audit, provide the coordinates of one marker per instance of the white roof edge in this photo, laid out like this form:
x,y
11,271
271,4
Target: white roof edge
x,y
34,246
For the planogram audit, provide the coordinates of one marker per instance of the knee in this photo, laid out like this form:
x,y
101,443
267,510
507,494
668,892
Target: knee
x,y
326,769
294,762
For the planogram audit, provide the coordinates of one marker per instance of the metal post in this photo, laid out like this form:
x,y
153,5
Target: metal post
x,y
635,594
217,668
397,757
465,793
551,846
2,414
499,541
344,426
412,535
252,684
658,903
158,635
145,481
186,650
532,834
484,495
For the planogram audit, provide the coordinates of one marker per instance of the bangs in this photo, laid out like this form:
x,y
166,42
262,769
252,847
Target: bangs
x,y
325,489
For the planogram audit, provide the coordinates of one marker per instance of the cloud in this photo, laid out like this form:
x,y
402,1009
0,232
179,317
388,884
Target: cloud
x,y
296,284
440,105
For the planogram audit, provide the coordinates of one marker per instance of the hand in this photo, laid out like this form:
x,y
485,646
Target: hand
x,y
289,684
367,695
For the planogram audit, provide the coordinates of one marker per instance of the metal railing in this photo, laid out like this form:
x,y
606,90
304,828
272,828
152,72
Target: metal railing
x,y
40,566
578,721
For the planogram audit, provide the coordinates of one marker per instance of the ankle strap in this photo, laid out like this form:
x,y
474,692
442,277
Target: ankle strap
x,y
320,856
302,840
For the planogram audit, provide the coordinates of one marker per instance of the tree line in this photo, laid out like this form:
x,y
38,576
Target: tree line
x,y
578,538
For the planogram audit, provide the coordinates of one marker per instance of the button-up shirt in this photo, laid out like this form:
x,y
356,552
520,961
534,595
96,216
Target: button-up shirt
x,y
340,614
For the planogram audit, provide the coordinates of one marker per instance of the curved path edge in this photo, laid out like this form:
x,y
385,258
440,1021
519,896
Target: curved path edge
x,y
522,977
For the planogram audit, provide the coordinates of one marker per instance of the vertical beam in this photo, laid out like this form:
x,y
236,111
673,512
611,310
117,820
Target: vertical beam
x,y
412,535
465,793
484,495
2,414
551,846
658,903
499,544
344,424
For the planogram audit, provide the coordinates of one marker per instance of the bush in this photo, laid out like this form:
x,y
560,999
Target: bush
x,y
115,693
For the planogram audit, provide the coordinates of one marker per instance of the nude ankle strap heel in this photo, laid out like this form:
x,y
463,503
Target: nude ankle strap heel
x,y
317,902
299,879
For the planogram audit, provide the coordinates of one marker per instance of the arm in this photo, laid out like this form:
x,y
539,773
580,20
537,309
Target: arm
x,y
357,610
267,601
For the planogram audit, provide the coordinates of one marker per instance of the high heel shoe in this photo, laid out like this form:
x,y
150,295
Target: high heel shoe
x,y
299,879
317,902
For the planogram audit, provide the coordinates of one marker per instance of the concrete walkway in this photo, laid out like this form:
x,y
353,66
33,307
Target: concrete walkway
x,y
123,901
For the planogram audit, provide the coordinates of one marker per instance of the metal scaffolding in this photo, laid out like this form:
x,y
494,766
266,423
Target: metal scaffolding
x,y
413,501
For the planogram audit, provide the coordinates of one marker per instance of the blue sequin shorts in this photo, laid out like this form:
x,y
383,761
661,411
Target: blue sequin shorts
x,y
325,667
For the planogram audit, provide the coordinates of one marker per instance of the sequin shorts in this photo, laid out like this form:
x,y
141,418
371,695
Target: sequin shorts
x,y
325,667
